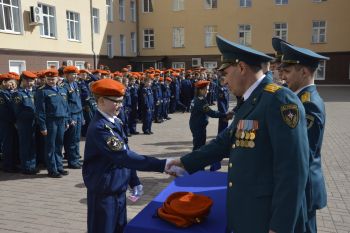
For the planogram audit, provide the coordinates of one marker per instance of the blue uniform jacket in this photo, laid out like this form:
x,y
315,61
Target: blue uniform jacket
x,y
268,169
223,98
316,195
73,97
6,110
24,107
147,99
134,96
157,93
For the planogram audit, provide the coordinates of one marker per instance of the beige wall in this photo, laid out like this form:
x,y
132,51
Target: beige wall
x,y
261,16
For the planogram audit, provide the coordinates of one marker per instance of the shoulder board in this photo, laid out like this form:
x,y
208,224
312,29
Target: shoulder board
x,y
61,84
272,87
201,97
305,97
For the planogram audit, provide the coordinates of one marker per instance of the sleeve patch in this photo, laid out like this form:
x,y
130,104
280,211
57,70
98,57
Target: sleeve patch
x,y
305,97
310,121
2,101
290,115
272,87
114,143
17,100
206,108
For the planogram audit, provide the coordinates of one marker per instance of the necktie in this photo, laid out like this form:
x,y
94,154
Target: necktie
x,y
240,101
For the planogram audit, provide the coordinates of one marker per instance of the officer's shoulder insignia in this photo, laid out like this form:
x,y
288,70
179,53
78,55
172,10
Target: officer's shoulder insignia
x,y
41,87
206,108
17,100
290,115
61,84
201,97
114,143
272,87
2,101
310,121
305,97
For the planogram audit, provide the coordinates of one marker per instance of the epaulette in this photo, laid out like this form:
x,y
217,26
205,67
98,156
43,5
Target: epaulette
x,y
305,97
61,84
201,97
41,87
272,87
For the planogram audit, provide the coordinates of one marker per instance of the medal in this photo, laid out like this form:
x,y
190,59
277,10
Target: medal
x,y
251,144
242,135
238,143
252,135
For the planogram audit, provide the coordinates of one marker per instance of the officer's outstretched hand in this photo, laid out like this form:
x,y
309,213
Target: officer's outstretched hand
x,y
43,132
174,167
229,115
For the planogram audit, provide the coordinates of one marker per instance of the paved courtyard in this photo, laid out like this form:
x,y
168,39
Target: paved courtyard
x,y
40,204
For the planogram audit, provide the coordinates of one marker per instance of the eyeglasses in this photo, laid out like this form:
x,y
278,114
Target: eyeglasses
x,y
113,100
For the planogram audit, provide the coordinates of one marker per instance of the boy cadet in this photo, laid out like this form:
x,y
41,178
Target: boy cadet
x,y
108,162
299,66
267,175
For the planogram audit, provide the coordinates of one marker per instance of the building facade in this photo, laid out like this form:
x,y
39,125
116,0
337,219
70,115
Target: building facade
x,y
170,33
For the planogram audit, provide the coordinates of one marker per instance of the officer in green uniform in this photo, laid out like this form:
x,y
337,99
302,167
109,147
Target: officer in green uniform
x,y
267,146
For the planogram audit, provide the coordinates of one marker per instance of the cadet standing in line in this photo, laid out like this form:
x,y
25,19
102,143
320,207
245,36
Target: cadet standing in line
x,y
267,146
299,67
134,90
147,105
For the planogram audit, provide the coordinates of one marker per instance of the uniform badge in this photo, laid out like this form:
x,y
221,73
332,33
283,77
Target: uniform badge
x,y
17,100
114,143
310,121
206,108
2,101
305,97
290,114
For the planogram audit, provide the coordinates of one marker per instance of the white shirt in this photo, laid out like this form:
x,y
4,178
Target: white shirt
x,y
108,117
298,91
250,90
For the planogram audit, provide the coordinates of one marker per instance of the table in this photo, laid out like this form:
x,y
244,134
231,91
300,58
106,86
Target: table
x,y
212,184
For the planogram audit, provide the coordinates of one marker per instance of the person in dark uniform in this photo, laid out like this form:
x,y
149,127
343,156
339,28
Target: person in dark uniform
x,y
158,99
267,146
166,97
108,162
186,90
53,117
134,96
147,105
276,63
299,66
24,110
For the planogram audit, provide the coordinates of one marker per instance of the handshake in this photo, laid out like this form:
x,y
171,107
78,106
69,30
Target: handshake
x,y
174,167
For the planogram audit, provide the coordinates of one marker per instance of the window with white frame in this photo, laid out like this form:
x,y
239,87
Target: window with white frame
x,y
178,37
133,11
17,66
148,38
122,10
147,6
178,65
321,71
245,3
10,16
133,42
52,64
210,35
109,10
245,34
122,45
318,31
210,4
96,20
48,28
178,5
281,2
281,30
110,46
210,65
79,64
73,25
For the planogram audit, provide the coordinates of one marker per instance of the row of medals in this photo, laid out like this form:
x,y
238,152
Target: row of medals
x,y
245,138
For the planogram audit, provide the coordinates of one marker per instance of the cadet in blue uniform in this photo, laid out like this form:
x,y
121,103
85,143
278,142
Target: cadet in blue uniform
x,y
158,99
186,90
166,97
24,109
108,160
267,146
76,119
147,106
299,67
134,96
53,117
200,112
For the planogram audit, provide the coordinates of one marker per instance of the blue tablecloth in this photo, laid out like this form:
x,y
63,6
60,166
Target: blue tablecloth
x,y
212,184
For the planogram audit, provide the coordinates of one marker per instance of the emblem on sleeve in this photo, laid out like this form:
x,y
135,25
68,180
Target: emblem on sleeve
x,y
310,121
114,143
290,114
17,100
206,108
2,101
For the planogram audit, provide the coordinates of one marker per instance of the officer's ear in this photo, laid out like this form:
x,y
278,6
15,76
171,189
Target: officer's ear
x,y
242,66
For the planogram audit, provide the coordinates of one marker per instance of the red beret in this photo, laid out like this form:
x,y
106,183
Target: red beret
x,y
168,79
161,79
83,71
12,75
3,76
51,73
70,69
201,84
28,74
125,70
108,87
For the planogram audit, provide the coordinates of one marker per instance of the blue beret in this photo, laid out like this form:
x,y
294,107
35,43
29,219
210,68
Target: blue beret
x,y
295,55
232,52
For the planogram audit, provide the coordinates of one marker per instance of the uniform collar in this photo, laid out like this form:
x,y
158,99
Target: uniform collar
x,y
108,117
250,90
301,89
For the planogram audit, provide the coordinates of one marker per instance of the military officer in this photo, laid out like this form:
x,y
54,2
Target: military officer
x,y
299,66
267,146
276,63
108,162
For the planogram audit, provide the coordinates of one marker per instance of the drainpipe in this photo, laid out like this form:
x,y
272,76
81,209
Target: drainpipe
x,y
92,36
137,30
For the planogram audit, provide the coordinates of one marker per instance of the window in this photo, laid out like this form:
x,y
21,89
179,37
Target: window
x,y
9,16
73,25
96,20
133,11
52,64
122,45
281,30
210,64
210,35
147,6
48,28
178,5
109,10
121,10
318,31
148,38
210,4
17,66
281,2
245,34
133,42
178,65
245,3
178,37
196,61
110,50
79,64
321,71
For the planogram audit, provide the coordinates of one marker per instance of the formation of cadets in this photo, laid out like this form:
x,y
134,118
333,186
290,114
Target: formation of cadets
x,y
45,113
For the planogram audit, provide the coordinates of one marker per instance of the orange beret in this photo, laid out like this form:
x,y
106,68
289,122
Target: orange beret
x,y
3,76
201,83
168,79
151,76
12,75
125,70
175,74
28,74
161,79
82,71
51,73
70,69
185,208
108,87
